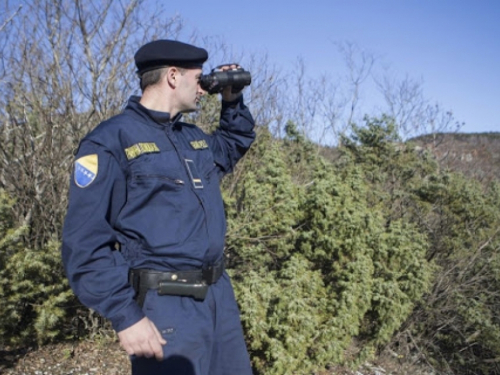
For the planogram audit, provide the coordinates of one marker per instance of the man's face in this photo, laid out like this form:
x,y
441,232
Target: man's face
x,y
189,91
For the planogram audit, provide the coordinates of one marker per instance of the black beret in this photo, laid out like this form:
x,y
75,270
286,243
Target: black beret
x,y
164,52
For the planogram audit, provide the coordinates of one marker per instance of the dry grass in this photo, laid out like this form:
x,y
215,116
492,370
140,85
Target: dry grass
x,y
107,358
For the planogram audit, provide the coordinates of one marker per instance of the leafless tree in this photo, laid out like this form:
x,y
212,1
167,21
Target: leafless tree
x,y
324,107
359,64
65,66
414,114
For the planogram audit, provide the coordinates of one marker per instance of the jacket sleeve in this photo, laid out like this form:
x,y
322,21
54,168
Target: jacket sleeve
x,y
97,272
234,136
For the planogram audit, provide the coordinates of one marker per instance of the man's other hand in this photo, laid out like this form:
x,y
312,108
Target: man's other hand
x,y
143,340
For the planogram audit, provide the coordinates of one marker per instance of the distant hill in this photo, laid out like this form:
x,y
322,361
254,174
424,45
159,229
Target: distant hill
x,y
476,155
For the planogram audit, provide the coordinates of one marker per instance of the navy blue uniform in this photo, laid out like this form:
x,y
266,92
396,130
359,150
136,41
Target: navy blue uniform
x,y
145,194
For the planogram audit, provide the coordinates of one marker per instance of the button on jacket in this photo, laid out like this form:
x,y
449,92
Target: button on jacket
x,y
145,193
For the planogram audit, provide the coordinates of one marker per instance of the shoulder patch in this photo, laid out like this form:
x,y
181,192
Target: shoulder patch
x,y
86,170
141,148
199,145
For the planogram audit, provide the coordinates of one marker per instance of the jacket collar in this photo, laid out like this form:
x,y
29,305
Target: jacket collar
x,y
161,118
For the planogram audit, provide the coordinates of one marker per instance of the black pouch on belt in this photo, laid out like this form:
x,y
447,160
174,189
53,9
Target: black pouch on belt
x,y
173,288
193,283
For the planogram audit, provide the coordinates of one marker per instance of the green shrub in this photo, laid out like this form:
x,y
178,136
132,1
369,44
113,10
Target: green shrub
x,y
33,286
321,268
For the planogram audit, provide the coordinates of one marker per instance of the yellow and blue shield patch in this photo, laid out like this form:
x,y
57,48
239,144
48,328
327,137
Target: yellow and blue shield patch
x,y
86,170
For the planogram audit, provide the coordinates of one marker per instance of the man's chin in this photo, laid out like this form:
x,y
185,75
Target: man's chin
x,y
196,108
190,110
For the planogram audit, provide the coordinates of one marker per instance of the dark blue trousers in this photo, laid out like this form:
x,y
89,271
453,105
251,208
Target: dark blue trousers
x,y
203,337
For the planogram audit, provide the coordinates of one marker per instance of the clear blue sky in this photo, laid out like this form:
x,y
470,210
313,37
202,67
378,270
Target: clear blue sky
x,y
453,46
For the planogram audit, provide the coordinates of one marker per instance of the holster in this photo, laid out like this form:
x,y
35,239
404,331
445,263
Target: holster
x,y
172,288
192,283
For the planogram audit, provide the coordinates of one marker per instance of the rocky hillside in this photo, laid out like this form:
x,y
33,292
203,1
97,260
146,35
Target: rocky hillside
x,y
476,155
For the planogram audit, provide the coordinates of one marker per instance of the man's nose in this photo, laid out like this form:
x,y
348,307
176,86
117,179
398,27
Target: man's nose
x,y
201,91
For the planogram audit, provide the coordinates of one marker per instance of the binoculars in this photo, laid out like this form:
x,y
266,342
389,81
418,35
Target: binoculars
x,y
216,80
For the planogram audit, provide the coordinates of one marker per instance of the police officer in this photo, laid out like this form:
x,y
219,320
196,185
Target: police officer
x,y
144,232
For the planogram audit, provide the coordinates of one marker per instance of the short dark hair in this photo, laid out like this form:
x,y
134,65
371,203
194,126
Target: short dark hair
x,y
152,77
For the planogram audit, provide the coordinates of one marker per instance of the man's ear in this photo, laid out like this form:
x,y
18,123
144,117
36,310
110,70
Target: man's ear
x,y
171,76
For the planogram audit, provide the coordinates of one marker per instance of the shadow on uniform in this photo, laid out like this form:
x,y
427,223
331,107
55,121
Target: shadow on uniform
x,y
173,365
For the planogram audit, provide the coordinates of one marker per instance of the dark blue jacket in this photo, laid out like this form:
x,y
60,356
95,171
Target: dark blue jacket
x,y
145,193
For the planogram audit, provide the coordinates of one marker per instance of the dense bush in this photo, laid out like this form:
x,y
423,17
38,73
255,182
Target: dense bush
x,y
33,286
456,324
319,266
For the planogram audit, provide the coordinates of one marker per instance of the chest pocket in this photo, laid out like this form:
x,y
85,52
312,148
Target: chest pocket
x,y
150,170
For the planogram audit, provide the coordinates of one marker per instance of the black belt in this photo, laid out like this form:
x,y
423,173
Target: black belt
x,y
177,283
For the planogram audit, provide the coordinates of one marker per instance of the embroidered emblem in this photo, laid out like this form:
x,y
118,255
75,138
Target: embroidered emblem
x,y
86,170
141,148
199,145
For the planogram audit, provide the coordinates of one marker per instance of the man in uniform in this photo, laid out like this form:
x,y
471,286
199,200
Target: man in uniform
x,y
144,233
